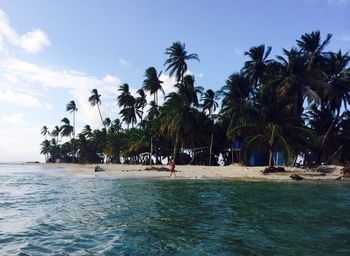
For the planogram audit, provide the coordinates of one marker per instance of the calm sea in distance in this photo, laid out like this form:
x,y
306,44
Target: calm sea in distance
x,y
46,214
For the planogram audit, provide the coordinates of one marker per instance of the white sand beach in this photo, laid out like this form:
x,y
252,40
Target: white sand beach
x,y
237,172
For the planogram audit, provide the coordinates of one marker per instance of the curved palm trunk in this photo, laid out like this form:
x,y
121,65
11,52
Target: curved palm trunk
x,y
99,111
326,136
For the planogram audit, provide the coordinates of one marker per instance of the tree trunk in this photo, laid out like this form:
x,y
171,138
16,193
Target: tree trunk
x,y
270,158
99,111
326,136
175,147
73,141
211,146
150,157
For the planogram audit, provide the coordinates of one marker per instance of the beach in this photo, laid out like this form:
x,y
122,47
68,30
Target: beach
x,y
237,172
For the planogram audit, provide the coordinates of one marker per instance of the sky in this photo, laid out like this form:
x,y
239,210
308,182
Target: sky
x,y
52,52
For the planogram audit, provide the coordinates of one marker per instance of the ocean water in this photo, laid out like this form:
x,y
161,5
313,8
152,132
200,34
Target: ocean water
x,y
45,214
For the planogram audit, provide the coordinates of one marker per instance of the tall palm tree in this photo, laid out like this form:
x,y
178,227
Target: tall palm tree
x,y
45,131
177,57
256,67
152,84
312,46
95,99
72,108
296,80
140,101
179,117
130,112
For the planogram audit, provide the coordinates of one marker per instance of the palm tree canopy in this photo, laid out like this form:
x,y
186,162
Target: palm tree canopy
x,y
107,122
94,99
45,130
87,131
125,99
152,84
71,107
176,62
255,68
141,101
209,99
66,129
311,43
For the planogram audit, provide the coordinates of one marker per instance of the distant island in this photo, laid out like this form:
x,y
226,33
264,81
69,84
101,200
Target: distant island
x,y
287,110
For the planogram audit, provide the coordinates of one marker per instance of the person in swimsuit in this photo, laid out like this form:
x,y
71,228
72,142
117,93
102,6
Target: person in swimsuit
x,y
172,167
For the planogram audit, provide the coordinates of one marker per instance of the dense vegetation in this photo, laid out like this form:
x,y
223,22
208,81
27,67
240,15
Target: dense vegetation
x,y
295,104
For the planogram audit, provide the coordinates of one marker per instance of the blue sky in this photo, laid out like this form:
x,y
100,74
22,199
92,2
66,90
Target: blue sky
x,y
54,51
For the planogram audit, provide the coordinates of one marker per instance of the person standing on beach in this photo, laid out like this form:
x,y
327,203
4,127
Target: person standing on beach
x,y
172,167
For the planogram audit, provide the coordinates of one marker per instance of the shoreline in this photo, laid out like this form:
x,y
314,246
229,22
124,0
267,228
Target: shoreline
x,y
188,172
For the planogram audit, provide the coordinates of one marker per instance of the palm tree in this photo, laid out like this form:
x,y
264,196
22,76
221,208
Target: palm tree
x,y
45,148
55,133
116,126
256,67
72,108
337,93
141,102
270,125
179,118
107,122
87,131
176,61
152,84
125,99
45,131
66,129
95,99
235,102
210,103
312,46
296,80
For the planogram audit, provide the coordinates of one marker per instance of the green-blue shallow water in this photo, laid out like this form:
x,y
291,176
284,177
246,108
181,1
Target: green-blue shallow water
x,y
44,214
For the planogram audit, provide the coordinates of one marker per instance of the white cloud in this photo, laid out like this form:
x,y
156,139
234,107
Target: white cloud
x,y
19,99
111,80
31,42
34,41
75,83
15,119
124,63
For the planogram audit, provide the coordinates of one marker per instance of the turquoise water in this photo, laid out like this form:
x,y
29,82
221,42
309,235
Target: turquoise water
x,y
45,214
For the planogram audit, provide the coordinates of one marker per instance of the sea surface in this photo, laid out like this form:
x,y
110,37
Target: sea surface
x,y
42,213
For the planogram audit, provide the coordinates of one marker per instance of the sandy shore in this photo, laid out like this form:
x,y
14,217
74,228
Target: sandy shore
x,y
237,172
